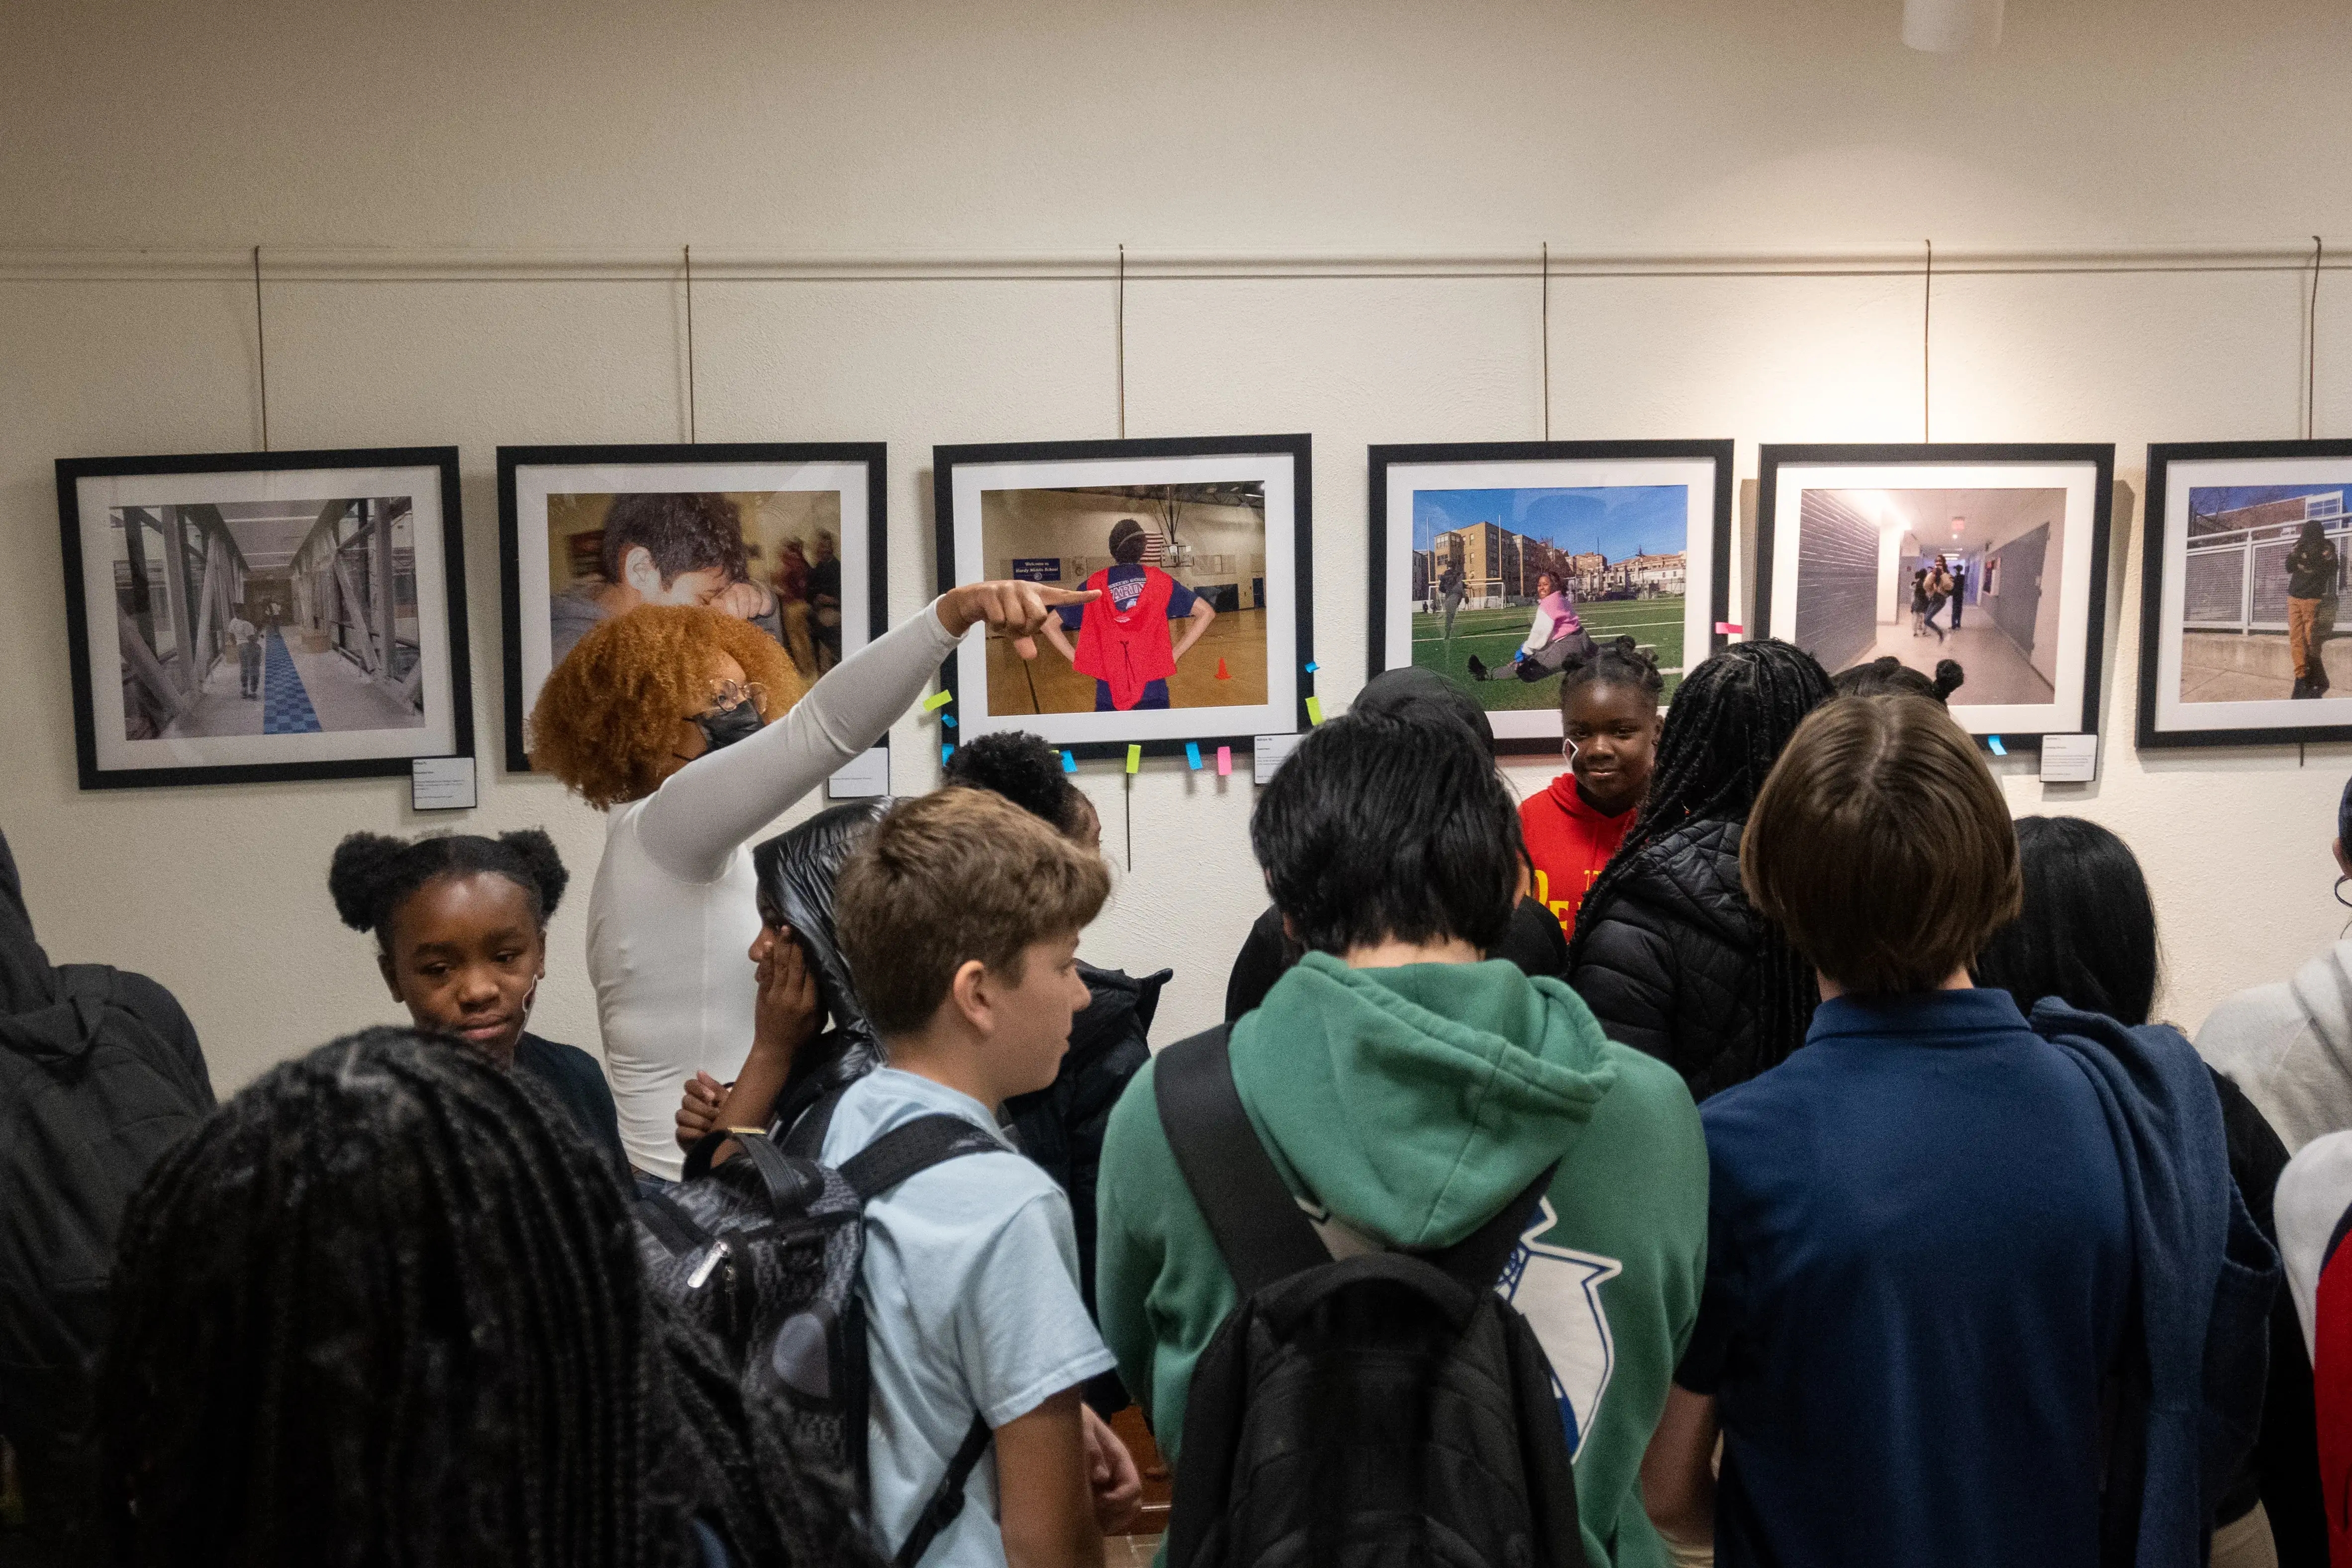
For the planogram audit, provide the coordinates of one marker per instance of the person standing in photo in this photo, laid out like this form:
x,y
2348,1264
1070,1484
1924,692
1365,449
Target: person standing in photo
x,y
247,638
1960,590
1451,588
1919,603
1123,640
1940,594
825,601
2313,571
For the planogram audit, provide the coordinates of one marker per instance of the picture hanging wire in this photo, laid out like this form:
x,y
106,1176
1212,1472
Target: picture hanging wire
x,y
261,348
2311,341
1121,349
1926,309
1546,339
690,435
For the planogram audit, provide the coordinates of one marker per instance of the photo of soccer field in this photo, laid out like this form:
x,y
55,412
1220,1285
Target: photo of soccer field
x,y
1494,634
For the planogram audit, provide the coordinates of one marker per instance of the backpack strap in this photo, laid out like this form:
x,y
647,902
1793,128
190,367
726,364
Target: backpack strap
x,y
1258,1226
1478,1259
948,1501
805,1137
911,1147
904,1150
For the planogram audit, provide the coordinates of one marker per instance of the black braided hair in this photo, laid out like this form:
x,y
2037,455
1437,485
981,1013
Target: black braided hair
x,y
372,874
1619,660
383,1309
1730,717
1887,675
1025,769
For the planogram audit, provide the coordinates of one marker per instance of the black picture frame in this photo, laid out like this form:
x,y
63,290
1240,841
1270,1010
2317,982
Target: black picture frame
x,y
1381,655
2148,733
93,774
946,461
519,688
2100,456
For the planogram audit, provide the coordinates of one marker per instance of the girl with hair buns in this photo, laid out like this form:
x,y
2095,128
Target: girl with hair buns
x,y
691,731
460,925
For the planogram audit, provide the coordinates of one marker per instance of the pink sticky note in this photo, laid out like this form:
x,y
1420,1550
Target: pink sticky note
x,y
1729,629
1224,761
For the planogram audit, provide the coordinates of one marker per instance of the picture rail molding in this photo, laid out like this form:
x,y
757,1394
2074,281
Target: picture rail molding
x,y
294,265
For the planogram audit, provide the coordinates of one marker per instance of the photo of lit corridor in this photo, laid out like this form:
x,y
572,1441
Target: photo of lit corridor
x,y
266,617
1862,553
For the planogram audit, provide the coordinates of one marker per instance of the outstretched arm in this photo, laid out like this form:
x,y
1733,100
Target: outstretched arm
x,y
696,819
1202,614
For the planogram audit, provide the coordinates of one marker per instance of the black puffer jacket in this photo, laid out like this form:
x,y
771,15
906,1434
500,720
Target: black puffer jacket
x,y
1669,965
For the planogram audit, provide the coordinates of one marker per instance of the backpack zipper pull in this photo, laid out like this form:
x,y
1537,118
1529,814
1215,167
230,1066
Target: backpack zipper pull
x,y
701,1275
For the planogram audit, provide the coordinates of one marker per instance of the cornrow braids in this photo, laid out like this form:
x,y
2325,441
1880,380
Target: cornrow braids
x,y
373,874
1730,717
1619,660
385,1309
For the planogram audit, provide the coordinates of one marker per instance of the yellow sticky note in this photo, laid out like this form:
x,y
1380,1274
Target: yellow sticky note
x,y
1315,711
937,700
1135,759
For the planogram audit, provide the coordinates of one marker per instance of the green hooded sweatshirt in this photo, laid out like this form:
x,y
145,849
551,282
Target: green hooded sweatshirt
x,y
1407,1105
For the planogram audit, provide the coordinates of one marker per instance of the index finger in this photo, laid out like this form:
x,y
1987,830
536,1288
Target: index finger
x,y
1053,595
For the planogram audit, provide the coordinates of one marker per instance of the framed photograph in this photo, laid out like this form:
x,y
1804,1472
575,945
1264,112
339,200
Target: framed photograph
x,y
2247,545
1992,556
788,535
1201,551
1501,564
249,616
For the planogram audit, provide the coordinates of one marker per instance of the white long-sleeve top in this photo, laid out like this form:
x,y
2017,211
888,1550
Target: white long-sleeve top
x,y
674,907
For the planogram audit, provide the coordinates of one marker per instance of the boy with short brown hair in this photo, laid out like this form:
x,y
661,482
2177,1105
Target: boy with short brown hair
x,y
959,920
1920,1256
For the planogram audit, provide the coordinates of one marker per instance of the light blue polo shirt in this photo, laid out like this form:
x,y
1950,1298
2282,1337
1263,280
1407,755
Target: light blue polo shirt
x,y
971,1286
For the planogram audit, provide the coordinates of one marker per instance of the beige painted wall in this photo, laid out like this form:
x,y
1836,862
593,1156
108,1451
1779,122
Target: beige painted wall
x,y
909,129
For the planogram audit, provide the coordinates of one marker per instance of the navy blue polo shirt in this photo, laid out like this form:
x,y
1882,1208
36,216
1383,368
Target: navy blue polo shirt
x,y
1917,1279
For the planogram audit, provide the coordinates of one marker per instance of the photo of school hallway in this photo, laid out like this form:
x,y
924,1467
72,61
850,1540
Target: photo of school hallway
x,y
1496,634
307,688
1048,684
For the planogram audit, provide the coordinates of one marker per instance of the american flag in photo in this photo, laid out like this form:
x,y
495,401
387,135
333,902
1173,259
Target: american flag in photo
x,y
1154,544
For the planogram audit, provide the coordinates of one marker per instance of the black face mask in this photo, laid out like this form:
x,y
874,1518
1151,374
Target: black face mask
x,y
728,725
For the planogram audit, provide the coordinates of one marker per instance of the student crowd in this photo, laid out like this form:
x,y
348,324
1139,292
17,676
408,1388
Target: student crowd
x,y
1755,1145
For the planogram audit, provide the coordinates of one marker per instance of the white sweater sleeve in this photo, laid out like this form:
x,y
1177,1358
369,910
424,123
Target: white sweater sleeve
x,y
702,812
1539,635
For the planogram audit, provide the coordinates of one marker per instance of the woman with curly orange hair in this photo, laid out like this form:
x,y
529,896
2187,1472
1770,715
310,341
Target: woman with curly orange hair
x,y
662,717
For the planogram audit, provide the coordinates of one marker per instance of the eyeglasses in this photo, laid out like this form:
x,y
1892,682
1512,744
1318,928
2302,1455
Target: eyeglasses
x,y
726,694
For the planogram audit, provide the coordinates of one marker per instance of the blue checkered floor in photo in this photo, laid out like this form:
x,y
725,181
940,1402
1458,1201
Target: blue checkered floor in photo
x,y
284,702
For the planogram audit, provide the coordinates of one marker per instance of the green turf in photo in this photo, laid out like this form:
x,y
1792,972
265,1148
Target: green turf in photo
x,y
1496,634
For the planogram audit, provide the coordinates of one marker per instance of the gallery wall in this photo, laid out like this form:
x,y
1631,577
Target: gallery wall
x,y
1332,215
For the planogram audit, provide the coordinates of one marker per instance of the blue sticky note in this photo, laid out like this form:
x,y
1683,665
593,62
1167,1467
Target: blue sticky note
x,y
949,720
1313,667
1069,762
1998,749
945,753
1192,753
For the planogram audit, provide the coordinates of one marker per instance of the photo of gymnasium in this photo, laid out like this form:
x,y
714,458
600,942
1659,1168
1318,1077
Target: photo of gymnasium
x,y
1509,584
266,617
1181,622
1931,574
2264,573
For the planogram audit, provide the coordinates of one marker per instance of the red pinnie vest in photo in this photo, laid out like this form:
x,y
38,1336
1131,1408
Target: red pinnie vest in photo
x,y
1126,652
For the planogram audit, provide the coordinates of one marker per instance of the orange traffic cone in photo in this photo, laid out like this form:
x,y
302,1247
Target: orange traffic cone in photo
x,y
1222,675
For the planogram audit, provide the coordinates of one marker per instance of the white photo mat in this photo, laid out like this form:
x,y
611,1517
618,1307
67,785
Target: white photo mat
x,y
2078,479
1278,713
97,497
1697,475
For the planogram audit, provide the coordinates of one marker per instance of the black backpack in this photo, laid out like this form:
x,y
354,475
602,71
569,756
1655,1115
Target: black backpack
x,y
1375,1412
91,1094
763,1252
